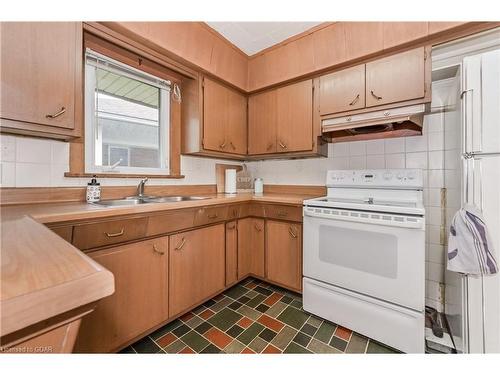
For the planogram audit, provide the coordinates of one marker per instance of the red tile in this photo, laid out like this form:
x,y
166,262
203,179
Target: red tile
x,y
206,314
247,351
217,337
271,323
187,350
272,299
251,285
186,317
343,333
245,322
166,340
271,350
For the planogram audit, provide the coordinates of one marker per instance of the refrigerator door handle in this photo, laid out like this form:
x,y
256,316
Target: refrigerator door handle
x,y
465,112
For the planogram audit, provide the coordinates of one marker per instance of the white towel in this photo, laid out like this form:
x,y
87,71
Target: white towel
x,y
469,244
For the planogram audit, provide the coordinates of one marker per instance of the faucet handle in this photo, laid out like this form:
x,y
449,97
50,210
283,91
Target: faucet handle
x,y
144,180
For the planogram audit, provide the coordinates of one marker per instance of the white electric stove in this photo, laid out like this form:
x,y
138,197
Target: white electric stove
x,y
364,255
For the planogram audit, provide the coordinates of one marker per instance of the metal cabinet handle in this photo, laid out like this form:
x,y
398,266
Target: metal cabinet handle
x,y
355,100
257,228
270,146
155,248
375,96
214,216
282,145
57,114
232,145
292,233
181,245
222,145
117,234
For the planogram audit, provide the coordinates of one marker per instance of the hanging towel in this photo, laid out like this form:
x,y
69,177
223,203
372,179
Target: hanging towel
x,y
469,244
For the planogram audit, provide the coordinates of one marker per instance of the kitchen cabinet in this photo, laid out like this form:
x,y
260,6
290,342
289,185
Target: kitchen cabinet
x,y
251,247
342,91
281,120
41,78
284,253
196,267
140,300
231,252
396,78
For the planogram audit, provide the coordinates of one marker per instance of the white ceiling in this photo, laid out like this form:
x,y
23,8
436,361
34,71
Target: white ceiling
x,y
252,37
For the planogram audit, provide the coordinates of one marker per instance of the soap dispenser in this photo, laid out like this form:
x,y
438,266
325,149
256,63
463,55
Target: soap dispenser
x,y
93,190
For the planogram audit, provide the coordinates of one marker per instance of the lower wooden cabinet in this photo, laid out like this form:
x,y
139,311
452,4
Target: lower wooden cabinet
x,y
140,300
250,247
231,252
197,267
284,253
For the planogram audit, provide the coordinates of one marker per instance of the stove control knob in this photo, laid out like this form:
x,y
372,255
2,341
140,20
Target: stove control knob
x,y
387,176
400,176
411,176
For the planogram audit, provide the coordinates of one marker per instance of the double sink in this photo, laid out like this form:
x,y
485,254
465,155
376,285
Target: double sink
x,y
132,201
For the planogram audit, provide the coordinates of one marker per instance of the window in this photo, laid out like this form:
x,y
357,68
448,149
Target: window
x,y
127,118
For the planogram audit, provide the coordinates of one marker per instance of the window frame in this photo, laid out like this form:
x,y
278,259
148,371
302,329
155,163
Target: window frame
x,y
92,139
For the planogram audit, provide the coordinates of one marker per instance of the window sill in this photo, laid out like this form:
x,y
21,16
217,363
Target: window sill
x,y
123,175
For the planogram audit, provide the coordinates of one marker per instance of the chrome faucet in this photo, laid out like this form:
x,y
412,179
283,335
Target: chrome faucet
x,y
140,187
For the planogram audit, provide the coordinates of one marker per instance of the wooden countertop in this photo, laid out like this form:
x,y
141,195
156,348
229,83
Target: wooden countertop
x,y
43,276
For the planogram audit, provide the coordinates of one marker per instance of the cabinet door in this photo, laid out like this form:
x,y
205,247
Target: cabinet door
x,y
39,70
140,300
236,124
197,267
262,123
294,117
250,247
342,91
214,116
396,78
231,252
284,253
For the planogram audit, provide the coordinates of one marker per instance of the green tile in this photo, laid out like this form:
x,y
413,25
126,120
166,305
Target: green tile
x,y
256,300
146,345
195,341
251,294
357,344
234,347
319,347
221,304
203,327
195,321
302,339
250,333
315,322
284,337
175,347
234,331
276,309
375,347
224,319
293,317
296,304
295,349
325,332
165,329
267,335
236,292
249,313
309,329
211,349
257,345
338,343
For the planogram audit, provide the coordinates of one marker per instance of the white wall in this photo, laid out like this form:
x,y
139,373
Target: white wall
x,y
32,162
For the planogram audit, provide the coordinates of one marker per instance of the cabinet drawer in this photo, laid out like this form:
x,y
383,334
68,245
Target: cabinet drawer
x,y
170,222
88,236
292,213
209,215
234,212
64,232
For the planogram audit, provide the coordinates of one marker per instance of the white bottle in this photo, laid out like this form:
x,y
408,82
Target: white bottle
x,y
93,190
258,186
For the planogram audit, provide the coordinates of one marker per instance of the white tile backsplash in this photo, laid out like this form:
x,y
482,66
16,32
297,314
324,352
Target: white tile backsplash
x,y
32,175
394,145
357,148
375,161
416,160
416,144
32,150
375,147
8,148
8,174
395,161
357,162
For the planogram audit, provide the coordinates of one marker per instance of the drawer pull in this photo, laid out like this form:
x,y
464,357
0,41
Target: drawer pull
x,y
181,245
57,114
232,145
222,145
214,216
375,95
231,226
155,248
270,146
355,100
117,234
257,228
282,145
282,213
292,233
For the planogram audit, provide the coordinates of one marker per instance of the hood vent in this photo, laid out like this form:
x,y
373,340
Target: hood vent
x,y
390,123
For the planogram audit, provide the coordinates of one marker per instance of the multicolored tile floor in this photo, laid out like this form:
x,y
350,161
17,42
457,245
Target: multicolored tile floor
x,y
254,317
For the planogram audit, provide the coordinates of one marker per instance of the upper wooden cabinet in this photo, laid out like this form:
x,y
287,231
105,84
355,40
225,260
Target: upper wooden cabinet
x,y
281,121
196,267
401,78
140,300
214,120
396,78
41,78
342,91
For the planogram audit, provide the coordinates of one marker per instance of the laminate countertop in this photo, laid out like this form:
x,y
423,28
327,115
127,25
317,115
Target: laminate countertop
x,y
43,276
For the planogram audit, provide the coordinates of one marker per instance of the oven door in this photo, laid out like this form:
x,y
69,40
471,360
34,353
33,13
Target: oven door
x,y
384,259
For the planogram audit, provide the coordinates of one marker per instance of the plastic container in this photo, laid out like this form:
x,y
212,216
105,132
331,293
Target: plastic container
x,y
258,186
93,190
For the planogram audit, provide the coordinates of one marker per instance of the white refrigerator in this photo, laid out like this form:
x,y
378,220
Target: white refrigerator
x,y
477,329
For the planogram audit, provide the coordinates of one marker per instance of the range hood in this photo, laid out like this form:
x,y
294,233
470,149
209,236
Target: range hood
x,y
387,123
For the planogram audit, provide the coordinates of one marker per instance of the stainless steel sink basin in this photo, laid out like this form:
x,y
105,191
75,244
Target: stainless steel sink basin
x,y
132,201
